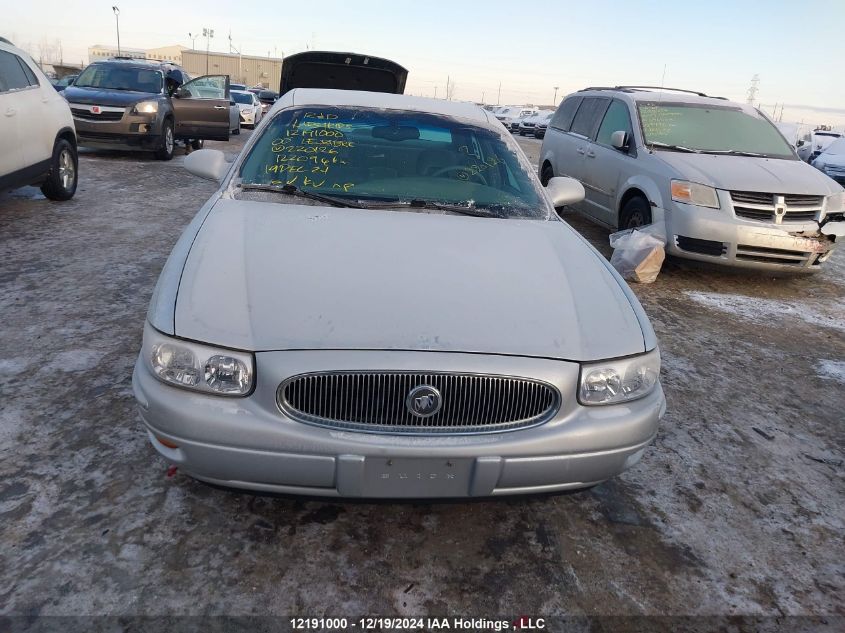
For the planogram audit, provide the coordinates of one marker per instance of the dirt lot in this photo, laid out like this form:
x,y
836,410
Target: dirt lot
x,y
737,508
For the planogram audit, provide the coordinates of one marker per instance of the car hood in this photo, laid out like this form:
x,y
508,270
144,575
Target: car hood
x,y
268,276
745,173
99,96
342,71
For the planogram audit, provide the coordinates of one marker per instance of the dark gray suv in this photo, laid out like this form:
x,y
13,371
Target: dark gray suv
x,y
126,103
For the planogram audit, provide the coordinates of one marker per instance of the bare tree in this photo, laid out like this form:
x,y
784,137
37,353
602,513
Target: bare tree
x,y
450,89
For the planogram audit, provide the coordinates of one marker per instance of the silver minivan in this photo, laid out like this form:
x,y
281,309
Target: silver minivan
x,y
728,186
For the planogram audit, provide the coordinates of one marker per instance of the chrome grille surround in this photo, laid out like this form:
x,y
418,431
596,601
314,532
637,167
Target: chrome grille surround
x,y
776,207
375,402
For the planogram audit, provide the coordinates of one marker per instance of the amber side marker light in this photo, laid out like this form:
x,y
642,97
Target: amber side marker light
x,y
167,443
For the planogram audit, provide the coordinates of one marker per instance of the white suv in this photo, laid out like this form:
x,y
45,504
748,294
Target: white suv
x,y
37,137
718,175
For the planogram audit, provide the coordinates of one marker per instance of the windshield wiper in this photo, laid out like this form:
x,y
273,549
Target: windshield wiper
x,y
470,209
735,152
291,190
677,148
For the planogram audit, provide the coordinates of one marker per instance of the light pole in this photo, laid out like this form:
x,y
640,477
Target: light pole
x,y
117,24
193,39
207,34
554,100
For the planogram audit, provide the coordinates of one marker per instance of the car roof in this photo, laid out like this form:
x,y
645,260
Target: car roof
x,y
137,62
638,94
313,96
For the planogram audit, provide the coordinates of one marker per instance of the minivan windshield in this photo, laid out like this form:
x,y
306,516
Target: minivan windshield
x,y
373,157
710,129
120,77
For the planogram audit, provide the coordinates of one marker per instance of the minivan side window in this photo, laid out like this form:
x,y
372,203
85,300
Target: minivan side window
x,y
12,76
565,113
588,116
616,119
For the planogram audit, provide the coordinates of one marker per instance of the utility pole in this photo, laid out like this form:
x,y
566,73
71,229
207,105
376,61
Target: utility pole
x,y
117,24
482,97
499,96
448,96
207,34
232,48
554,99
752,90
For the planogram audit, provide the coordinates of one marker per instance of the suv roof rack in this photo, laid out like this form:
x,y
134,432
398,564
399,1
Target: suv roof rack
x,y
633,88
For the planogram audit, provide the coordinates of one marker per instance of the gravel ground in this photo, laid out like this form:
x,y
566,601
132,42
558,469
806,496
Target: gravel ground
x,y
737,508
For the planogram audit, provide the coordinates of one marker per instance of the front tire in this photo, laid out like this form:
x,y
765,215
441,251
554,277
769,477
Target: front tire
x,y
547,174
64,172
165,150
635,213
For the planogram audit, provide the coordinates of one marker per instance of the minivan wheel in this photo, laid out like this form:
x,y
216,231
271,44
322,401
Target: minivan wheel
x,y
165,150
636,212
547,174
64,168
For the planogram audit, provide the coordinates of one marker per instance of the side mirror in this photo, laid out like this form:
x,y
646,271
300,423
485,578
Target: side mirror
x,y
207,163
799,144
620,140
562,191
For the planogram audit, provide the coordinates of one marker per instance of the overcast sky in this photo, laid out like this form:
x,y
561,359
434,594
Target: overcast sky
x,y
796,48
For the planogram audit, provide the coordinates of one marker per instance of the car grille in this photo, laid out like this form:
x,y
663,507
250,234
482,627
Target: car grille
x,y
528,124
774,255
376,402
105,115
765,207
704,247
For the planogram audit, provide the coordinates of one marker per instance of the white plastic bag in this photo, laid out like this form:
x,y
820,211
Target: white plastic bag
x,y
638,253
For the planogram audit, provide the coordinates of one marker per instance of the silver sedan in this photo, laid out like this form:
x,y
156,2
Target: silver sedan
x,y
380,301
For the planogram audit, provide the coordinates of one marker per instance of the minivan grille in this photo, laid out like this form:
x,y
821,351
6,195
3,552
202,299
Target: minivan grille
x,y
376,402
775,207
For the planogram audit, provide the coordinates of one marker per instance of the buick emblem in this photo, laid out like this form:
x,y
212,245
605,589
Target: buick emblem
x,y
423,401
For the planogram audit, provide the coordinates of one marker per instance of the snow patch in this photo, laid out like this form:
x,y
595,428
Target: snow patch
x,y
769,310
831,370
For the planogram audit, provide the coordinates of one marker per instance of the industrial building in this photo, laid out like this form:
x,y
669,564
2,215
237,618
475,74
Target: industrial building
x,y
242,69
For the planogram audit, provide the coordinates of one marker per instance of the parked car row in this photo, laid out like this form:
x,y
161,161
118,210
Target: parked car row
x,y
812,144
831,160
718,175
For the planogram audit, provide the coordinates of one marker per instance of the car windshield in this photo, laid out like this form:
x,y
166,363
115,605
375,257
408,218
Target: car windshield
x,y
120,77
711,129
242,97
373,156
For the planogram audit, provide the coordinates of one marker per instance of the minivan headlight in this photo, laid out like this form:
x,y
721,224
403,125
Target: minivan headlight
x,y
835,203
145,107
197,367
620,380
694,193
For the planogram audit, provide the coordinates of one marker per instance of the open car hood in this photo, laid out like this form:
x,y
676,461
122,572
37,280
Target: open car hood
x,y
342,71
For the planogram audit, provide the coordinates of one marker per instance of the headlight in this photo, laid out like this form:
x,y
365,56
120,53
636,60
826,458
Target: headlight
x,y
196,366
694,193
835,203
614,381
145,107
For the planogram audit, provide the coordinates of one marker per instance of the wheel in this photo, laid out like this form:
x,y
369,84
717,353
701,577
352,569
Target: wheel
x,y
64,167
197,144
165,149
636,212
237,130
547,174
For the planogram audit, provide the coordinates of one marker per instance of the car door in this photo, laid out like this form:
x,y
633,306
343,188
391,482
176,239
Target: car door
x,y
201,108
14,102
558,145
604,165
583,130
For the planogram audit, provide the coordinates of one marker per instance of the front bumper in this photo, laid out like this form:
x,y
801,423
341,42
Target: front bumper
x,y
248,443
132,131
247,119
720,236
